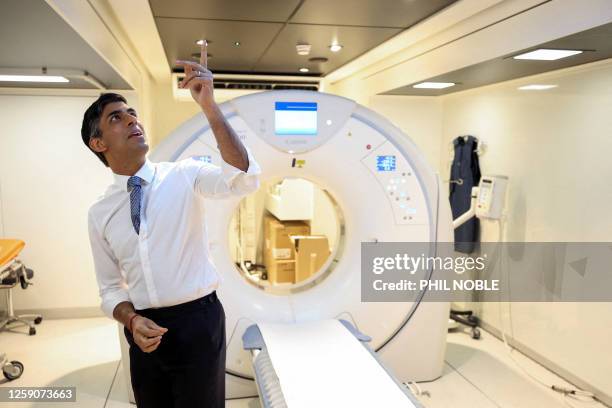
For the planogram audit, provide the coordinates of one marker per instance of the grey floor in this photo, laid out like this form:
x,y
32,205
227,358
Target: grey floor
x,y
85,353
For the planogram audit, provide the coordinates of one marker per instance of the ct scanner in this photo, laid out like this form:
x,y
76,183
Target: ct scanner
x,y
386,192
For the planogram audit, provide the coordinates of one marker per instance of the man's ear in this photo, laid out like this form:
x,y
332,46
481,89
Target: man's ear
x,y
97,145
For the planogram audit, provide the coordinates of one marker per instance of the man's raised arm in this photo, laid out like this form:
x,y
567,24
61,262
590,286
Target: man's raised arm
x,y
199,80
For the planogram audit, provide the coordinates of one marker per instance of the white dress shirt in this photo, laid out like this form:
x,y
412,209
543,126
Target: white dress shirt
x,y
168,263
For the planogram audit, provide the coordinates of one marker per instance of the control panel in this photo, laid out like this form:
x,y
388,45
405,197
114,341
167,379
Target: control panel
x,y
401,186
491,196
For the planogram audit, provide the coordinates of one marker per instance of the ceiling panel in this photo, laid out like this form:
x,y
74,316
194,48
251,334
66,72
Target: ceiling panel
x,y
282,55
269,30
34,36
179,36
370,13
596,43
252,10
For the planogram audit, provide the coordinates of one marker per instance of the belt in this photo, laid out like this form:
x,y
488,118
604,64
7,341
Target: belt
x,y
175,310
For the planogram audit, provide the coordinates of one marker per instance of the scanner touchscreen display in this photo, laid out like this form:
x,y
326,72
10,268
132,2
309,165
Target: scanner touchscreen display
x,y
295,118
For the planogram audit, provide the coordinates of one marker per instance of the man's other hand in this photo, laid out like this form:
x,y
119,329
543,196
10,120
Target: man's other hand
x,y
147,335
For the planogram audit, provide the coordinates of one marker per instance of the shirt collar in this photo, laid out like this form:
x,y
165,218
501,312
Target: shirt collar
x,y
146,172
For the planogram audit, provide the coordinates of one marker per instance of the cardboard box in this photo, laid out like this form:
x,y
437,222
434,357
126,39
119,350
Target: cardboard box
x,y
281,271
278,245
312,252
279,252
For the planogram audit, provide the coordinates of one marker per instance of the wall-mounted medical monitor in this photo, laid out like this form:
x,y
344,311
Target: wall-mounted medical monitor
x,y
385,163
295,118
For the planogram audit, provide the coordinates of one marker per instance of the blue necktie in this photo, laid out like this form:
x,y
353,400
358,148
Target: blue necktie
x,y
135,199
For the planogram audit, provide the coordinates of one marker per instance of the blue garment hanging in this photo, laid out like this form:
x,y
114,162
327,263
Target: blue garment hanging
x,y
465,174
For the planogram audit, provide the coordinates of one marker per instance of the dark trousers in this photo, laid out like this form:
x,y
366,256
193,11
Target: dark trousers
x,y
188,367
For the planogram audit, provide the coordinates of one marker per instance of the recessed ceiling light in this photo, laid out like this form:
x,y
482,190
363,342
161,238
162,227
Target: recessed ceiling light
x,y
32,78
303,69
237,43
335,47
536,87
303,49
547,54
434,85
201,42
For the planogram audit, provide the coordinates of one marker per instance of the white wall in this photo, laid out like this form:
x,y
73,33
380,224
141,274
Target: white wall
x,y
168,112
48,180
555,147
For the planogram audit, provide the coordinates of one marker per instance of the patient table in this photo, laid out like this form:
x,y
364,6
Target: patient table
x,y
320,364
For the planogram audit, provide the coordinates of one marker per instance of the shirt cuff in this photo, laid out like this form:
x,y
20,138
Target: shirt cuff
x,y
111,299
230,172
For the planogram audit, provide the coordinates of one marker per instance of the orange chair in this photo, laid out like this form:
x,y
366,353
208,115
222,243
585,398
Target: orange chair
x,y
12,270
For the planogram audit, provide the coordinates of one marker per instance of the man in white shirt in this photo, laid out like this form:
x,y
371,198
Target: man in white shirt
x,y
150,248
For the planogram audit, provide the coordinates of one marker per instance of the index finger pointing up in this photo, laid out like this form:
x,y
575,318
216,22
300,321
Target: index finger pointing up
x,y
204,55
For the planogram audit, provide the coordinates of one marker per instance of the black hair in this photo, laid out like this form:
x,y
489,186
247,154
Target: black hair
x,y
91,120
